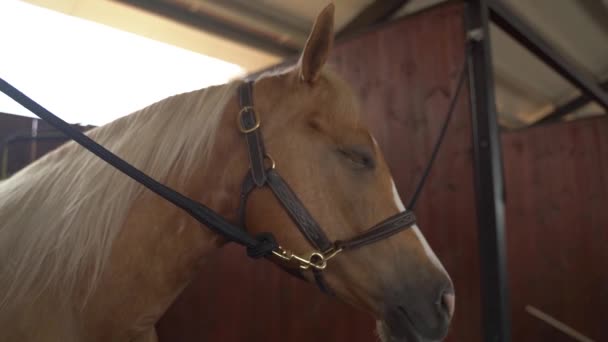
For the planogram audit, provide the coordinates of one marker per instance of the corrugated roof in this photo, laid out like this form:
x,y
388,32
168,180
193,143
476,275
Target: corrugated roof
x,y
526,89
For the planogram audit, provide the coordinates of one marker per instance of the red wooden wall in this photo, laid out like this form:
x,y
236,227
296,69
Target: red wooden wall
x,y
557,227
556,187
405,73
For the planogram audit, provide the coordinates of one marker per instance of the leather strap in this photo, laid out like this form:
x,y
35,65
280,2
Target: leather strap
x,y
322,283
298,213
249,124
294,207
382,230
260,245
246,189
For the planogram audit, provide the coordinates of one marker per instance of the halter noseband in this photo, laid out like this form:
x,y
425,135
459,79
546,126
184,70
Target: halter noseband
x,y
260,175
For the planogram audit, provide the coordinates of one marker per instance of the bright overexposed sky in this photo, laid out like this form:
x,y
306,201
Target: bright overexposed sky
x,y
89,73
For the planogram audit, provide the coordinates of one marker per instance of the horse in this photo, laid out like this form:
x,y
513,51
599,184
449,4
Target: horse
x,y
88,254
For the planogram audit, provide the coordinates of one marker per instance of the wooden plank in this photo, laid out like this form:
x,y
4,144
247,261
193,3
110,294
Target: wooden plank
x,y
374,13
557,194
564,328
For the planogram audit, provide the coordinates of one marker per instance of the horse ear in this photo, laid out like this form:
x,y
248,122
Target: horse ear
x,y
318,45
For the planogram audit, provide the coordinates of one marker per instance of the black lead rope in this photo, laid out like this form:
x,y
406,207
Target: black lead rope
x,y
262,244
427,170
258,246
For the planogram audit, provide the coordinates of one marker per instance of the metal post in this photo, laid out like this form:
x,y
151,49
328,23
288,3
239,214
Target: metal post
x,y
495,310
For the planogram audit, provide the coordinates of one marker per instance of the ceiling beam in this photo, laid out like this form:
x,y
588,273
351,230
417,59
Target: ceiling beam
x,y
523,33
376,12
569,107
213,24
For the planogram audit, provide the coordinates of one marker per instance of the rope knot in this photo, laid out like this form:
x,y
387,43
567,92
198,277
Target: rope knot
x,y
266,244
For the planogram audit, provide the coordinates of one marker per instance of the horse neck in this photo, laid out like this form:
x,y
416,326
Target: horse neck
x,y
163,245
90,220
213,178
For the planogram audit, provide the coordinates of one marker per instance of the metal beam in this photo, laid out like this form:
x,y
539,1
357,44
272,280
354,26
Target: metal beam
x,y
568,107
208,22
376,12
489,184
527,36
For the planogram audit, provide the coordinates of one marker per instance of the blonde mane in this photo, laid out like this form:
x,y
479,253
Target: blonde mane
x,y
60,215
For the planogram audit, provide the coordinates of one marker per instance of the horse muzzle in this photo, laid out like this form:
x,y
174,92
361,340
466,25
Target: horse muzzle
x,y
417,320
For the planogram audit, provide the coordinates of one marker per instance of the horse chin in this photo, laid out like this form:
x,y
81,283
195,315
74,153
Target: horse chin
x,y
405,335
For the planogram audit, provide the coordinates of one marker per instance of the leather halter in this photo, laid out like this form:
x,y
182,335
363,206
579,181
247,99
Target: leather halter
x,y
260,175
264,244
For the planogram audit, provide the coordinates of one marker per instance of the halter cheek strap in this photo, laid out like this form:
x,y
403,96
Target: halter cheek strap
x,y
249,122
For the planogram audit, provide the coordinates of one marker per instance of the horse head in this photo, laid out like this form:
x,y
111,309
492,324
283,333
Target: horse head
x,y
313,130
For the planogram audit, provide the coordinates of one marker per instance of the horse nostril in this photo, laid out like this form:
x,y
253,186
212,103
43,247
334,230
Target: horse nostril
x,y
448,303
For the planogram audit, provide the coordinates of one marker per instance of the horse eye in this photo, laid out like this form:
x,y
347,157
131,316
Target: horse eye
x,y
358,158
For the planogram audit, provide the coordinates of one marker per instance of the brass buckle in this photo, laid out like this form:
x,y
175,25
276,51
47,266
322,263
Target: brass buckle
x,y
240,122
316,260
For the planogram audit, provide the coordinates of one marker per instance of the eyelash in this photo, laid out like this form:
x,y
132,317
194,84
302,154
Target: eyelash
x,y
360,159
